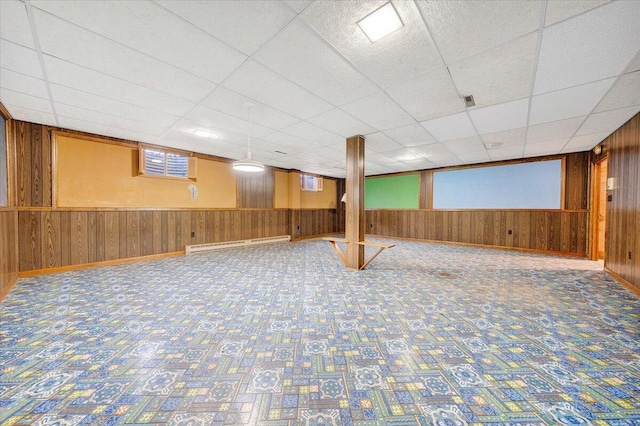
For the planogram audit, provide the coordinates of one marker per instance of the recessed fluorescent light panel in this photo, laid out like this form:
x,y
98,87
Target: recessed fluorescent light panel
x,y
381,22
204,133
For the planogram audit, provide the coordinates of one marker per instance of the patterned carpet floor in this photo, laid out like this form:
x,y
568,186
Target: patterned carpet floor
x,y
284,335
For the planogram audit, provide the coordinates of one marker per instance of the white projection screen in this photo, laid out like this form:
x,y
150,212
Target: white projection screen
x,y
534,185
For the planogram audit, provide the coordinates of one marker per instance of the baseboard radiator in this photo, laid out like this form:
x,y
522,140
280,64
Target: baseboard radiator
x,y
234,244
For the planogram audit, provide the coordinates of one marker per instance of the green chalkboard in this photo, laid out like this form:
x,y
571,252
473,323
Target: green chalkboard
x,y
392,192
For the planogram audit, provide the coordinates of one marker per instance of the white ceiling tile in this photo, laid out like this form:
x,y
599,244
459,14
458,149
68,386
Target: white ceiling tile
x,y
465,28
500,75
382,159
341,123
572,51
624,93
221,120
104,130
545,148
473,157
148,28
86,80
14,23
175,137
505,138
506,153
403,155
585,142
298,54
635,65
311,132
23,83
256,81
232,103
71,43
464,145
568,103
20,59
65,95
298,5
411,135
607,121
554,130
560,10
437,153
496,118
287,140
184,129
428,96
455,126
421,164
32,116
397,57
245,25
95,117
379,111
379,142
10,97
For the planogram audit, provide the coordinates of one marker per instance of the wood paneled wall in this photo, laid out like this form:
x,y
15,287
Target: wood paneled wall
x,y
8,258
554,231
310,222
256,190
34,168
54,238
623,211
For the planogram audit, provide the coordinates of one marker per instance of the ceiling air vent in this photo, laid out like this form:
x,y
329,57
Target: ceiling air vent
x,y
468,101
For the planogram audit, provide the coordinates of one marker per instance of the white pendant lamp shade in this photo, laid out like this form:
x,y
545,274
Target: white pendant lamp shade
x,y
248,164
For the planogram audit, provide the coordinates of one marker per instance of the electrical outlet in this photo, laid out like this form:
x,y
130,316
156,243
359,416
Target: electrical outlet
x,y
193,234
630,255
510,232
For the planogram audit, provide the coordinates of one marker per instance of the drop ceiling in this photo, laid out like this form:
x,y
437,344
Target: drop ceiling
x,y
548,77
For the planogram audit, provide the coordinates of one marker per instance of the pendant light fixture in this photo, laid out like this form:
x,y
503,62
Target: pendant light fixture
x,y
247,164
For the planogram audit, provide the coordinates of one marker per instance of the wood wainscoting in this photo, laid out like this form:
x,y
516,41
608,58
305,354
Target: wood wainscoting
x,y
539,230
307,223
54,238
623,211
8,249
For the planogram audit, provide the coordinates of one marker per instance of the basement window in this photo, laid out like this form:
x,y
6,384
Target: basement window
x,y
310,183
162,163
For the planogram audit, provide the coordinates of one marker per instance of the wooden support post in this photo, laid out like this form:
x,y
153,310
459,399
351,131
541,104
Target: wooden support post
x,y
355,217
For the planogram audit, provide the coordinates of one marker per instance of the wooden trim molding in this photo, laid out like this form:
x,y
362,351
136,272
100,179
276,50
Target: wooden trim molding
x,y
493,247
43,271
622,281
7,287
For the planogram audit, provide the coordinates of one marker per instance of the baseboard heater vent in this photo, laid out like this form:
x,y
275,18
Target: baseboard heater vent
x,y
240,243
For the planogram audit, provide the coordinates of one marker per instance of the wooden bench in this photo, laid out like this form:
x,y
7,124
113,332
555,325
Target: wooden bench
x,y
342,256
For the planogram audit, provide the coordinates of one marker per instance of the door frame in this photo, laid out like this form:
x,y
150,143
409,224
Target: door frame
x,y
594,202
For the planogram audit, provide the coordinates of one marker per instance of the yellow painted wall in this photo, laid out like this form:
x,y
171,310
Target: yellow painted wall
x,y
93,174
325,199
294,190
281,190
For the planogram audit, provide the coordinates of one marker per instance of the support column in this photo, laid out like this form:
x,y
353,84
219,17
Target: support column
x,y
355,216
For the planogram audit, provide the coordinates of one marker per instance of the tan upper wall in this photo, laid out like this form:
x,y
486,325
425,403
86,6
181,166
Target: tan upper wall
x,y
299,199
325,199
93,174
281,190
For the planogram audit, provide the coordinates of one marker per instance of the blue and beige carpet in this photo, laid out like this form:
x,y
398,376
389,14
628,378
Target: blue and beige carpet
x,y
284,335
